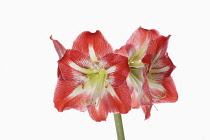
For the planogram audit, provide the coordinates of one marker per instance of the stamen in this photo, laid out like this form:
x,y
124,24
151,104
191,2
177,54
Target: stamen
x,y
158,97
155,107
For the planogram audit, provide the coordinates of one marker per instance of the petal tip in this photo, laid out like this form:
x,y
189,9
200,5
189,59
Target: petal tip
x,y
51,37
60,49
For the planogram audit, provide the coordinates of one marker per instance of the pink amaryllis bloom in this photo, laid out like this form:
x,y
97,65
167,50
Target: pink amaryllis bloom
x,y
92,77
149,80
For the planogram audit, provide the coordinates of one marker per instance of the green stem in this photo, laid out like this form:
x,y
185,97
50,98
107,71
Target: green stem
x,y
119,126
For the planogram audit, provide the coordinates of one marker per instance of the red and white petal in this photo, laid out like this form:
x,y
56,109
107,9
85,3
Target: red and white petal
x,y
140,99
67,96
135,96
74,65
119,99
158,47
168,94
138,43
146,109
68,73
60,49
161,69
139,88
142,37
115,100
163,62
140,93
135,82
156,50
93,44
122,51
141,96
100,112
80,59
134,53
145,98
117,68
147,60
127,50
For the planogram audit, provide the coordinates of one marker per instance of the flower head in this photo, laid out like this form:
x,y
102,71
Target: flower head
x,y
159,69
92,77
149,80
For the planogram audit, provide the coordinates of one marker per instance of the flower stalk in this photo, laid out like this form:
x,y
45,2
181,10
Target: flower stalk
x,y
119,126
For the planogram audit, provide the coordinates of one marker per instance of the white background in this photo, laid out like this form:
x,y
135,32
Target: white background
x,y
28,67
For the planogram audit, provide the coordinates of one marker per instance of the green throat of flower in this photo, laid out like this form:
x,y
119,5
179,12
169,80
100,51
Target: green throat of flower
x,y
96,82
97,77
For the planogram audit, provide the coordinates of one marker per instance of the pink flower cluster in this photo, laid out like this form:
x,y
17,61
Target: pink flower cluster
x,y
93,77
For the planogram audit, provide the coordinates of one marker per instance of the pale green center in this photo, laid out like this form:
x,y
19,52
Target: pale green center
x,y
97,77
96,82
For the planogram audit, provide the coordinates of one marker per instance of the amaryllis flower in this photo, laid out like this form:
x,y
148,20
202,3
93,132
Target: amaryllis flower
x,y
149,74
92,77
159,69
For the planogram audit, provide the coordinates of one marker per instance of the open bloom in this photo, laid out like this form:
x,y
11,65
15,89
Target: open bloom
x,y
159,68
92,77
149,80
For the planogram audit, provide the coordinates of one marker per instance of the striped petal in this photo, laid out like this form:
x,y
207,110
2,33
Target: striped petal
x,y
161,69
93,44
80,59
139,88
117,68
122,51
119,99
140,93
116,100
146,109
168,94
100,112
156,51
74,65
135,82
158,47
67,96
138,43
142,37
60,49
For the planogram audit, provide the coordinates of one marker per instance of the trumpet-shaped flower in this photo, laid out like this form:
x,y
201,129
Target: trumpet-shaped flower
x,y
149,80
159,68
92,77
